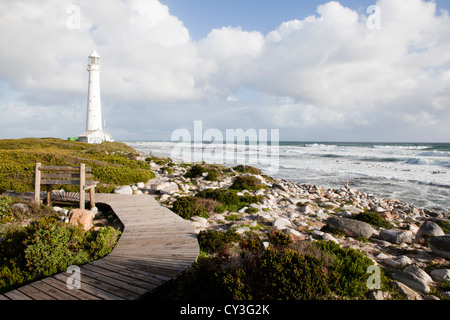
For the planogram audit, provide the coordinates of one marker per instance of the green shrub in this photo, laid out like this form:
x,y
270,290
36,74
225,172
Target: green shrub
x,y
48,246
348,272
374,219
249,183
279,239
188,207
246,169
219,209
251,210
113,163
215,241
229,198
197,170
5,207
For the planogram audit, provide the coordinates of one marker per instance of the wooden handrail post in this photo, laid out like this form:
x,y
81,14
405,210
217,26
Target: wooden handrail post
x,y
37,183
82,184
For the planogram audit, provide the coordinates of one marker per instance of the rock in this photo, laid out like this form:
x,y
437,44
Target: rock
x,y
81,216
61,210
306,209
167,187
282,223
427,230
396,236
140,185
441,275
418,272
398,262
124,190
379,295
351,227
201,220
407,292
21,207
411,280
441,245
329,237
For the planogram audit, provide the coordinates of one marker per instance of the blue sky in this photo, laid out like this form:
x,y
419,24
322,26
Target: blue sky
x,y
200,16
312,69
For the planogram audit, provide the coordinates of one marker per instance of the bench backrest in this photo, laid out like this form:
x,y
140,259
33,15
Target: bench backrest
x,y
58,175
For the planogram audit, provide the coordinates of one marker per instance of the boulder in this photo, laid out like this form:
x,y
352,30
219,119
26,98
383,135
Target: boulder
x,y
282,223
167,187
398,262
396,236
124,190
427,230
441,245
140,185
419,273
441,275
81,216
406,292
351,227
411,280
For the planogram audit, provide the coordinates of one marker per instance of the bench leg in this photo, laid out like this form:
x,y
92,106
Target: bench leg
x,y
49,194
92,194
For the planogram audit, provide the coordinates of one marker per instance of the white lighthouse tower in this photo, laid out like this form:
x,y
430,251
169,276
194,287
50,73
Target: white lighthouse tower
x,y
94,129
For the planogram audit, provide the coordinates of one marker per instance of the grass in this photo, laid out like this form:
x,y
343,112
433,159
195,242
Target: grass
x,y
113,163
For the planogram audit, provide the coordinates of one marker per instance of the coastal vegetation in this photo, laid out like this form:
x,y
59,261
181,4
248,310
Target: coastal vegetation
x,y
35,243
113,163
259,238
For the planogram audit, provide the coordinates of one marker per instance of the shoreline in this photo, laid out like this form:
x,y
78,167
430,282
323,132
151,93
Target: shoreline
x,y
415,174
308,212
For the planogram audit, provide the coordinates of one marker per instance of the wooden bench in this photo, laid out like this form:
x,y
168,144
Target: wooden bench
x,y
54,175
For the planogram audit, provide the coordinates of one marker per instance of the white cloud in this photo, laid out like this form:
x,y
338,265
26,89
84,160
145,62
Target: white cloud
x,y
323,73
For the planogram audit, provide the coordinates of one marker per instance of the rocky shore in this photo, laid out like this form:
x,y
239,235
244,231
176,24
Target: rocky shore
x,y
411,243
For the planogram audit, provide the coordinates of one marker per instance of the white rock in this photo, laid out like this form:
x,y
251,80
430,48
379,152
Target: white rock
x,y
167,187
398,262
329,237
124,190
140,185
282,223
421,274
441,275
201,220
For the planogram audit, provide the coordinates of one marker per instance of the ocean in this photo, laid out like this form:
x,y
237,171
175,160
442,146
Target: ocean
x,y
416,173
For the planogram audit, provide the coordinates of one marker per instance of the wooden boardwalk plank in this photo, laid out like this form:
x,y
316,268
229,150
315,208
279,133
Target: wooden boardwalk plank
x,y
156,245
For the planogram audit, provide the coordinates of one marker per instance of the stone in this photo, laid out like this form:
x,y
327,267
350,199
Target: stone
x,y
140,185
398,262
306,209
406,292
20,206
351,227
396,236
167,187
379,295
124,190
81,216
282,223
420,273
441,245
440,275
411,280
427,230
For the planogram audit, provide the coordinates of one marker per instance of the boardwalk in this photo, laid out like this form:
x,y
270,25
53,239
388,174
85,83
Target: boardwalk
x,y
156,245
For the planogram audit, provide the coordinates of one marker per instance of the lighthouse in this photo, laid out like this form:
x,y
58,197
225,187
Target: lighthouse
x,y
94,128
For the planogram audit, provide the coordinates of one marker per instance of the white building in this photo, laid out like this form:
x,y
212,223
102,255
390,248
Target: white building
x,y
94,129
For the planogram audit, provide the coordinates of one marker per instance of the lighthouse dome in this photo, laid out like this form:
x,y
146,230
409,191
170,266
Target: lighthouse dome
x,y
94,54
